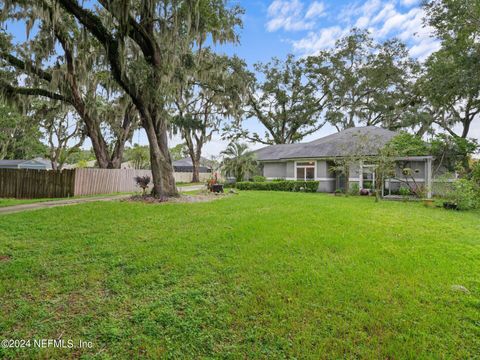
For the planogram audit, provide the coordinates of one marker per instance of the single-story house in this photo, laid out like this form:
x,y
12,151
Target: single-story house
x,y
318,160
185,165
37,163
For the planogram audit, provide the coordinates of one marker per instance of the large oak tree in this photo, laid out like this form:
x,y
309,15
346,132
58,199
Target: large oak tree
x,y
213,91
145,42
58,62
366,83
285,101
451,84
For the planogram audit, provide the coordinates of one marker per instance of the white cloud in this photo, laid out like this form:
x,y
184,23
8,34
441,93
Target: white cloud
x,y
287,15
290,15
315,10
384,20
409,2
316,41
423,49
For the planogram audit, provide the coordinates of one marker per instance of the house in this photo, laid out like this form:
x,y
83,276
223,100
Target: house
x,y
37,163
316,160
185,165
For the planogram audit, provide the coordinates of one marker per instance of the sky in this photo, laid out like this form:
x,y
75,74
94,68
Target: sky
x,y
275,28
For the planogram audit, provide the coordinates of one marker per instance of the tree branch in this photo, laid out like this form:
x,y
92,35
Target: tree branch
x,y
25,65
10,90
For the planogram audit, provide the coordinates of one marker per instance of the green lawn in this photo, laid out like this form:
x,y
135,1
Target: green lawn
x,y
254,275
11,201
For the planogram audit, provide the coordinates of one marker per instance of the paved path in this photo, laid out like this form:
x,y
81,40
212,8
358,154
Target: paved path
x,y
55,203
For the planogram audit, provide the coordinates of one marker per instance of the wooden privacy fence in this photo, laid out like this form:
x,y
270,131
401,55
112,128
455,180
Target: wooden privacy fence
x,y
35,184
31,184
106,181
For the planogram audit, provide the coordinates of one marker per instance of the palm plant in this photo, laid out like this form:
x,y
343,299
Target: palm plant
x,y
238,161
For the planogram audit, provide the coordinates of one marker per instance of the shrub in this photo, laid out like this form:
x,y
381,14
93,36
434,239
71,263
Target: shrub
x,y
284,185
475,175
464,194
354,189
259,178
142,181
404,191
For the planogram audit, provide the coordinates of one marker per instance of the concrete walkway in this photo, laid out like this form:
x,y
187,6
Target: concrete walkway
x,y
66,202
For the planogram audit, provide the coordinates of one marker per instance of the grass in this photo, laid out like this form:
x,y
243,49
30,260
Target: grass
x,y
255,275
12,202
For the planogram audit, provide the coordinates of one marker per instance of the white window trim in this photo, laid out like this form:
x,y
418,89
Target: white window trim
x,y
360,175
303,166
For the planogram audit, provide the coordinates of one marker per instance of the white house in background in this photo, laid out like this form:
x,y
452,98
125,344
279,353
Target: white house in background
x,y
37,164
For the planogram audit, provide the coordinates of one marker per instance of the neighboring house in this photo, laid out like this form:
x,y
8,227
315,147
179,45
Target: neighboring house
x,y
315,160
37,163
185,165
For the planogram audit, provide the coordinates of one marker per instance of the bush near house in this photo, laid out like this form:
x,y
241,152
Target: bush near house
x,y
259,178
285,185
464,194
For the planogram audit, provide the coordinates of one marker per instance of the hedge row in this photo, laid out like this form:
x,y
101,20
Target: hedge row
x,y
284,185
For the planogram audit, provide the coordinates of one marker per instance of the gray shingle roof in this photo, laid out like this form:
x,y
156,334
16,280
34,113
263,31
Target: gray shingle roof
x,y
188,162
361,140
39,161
185,165
11,162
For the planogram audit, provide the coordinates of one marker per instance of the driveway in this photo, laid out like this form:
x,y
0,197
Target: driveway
x,y
66,202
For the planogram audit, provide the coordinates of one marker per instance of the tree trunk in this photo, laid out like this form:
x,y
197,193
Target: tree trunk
x,y
195,170
160,160
117,155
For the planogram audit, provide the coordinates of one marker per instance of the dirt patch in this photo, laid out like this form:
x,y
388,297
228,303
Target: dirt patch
x,y
180,199
5,258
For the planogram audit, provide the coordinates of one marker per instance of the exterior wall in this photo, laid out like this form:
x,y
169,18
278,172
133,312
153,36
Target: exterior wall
x,y
290,170
327,186
354,173
286,170
327,178
323,172
275,170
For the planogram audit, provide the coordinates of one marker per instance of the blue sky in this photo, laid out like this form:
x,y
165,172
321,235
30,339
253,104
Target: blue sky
x,y
303,27
277,27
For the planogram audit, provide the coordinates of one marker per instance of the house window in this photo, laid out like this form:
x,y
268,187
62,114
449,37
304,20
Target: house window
x,y
368,177
305,170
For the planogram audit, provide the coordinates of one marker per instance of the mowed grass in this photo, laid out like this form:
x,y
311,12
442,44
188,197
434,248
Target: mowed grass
x,y
4,202
12,202
254,275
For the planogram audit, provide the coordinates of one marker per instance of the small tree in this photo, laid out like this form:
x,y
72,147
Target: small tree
x,y
238,161
138,156
63,130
